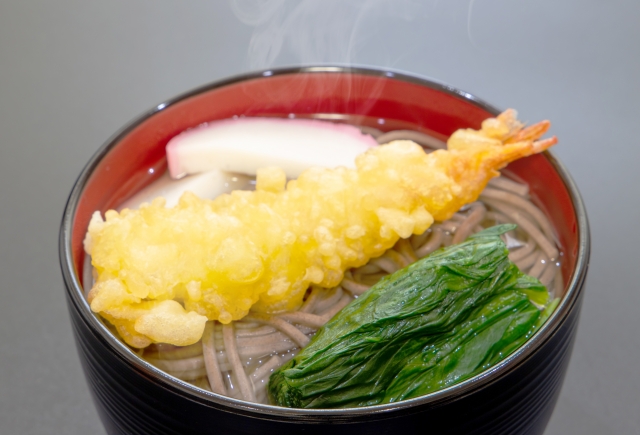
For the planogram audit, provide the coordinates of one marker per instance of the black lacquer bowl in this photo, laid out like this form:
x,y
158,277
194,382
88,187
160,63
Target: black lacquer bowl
x,y
515,397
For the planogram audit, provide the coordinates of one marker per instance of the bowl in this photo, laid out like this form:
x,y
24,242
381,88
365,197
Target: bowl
x,y
516,396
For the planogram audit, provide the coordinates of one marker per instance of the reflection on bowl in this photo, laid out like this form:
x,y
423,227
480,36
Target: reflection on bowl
x,y
132,396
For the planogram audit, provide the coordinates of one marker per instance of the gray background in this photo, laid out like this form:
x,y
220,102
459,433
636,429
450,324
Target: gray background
x,y
72,72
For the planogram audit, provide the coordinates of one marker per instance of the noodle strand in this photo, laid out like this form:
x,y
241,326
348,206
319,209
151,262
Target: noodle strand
x,y
236,365
211,361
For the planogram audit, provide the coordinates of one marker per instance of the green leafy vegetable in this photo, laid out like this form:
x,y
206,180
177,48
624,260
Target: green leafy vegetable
x,y
437,322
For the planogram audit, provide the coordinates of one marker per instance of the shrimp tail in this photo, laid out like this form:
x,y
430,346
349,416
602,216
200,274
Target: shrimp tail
x,y
476,156
531,132
514,151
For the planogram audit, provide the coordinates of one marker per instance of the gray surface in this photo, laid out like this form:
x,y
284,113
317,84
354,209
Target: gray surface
x,y
72,72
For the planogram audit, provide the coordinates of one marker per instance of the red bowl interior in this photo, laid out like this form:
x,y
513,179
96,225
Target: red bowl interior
x,y
380,101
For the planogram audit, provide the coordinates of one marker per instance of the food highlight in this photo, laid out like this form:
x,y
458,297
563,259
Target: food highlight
x,y
167,275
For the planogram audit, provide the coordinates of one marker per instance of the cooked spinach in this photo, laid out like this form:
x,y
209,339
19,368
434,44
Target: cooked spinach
x,y
430,325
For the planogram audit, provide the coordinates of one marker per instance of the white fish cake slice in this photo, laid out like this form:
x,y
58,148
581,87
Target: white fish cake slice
x,y
244,145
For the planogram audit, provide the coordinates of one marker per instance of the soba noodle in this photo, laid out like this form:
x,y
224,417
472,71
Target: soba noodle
x,y
236,360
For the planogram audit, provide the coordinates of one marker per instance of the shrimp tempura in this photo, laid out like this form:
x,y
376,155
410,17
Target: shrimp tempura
x,y
163,272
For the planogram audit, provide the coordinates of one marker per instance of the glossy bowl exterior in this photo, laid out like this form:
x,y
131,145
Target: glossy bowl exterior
x,y
514,397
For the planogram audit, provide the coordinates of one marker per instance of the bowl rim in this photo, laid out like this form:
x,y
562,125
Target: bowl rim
x,y
483,380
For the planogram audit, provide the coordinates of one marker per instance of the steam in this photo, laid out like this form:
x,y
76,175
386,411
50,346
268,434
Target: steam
x,y
316,31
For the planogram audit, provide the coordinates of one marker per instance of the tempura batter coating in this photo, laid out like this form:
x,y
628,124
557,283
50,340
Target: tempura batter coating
x,y
162,272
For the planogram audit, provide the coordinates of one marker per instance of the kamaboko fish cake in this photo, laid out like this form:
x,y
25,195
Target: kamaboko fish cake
x,y
163,272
